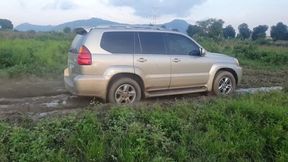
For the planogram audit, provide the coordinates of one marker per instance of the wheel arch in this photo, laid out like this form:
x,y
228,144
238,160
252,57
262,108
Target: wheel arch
x,y
133,76
218,68
228,70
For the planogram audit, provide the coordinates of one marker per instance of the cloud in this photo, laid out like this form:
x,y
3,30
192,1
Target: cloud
x,y
21,3
61,4
146,8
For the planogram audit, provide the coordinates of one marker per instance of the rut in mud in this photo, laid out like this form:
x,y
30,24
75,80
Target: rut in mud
x,y
39,97
41,106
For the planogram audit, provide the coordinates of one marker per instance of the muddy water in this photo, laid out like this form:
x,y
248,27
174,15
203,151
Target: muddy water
x,y
42,97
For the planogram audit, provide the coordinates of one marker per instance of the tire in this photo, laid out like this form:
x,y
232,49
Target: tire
x,y
124,91
224,83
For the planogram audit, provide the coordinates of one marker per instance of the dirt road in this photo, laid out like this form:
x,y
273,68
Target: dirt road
x,y
40,97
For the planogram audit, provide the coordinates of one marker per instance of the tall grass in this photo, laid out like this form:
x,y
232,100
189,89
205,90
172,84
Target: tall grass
x,y
36,55
242,128
264,54
46,53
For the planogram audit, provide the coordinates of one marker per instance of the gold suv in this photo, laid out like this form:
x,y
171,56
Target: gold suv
x,y
122,64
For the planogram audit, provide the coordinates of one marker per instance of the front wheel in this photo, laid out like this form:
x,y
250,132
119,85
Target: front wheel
x,y
224,83
124,91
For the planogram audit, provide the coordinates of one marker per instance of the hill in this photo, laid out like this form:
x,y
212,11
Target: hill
x,y
60,27
180,25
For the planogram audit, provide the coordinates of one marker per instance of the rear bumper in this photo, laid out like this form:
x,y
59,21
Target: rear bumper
x,y
86,85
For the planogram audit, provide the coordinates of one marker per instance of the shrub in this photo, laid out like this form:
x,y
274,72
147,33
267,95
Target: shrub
x,y
33,57
243,128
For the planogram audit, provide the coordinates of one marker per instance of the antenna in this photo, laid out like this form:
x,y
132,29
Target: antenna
x,y
155,15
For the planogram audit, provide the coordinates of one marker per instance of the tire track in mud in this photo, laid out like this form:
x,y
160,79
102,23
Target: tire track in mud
x,y
65,103
42,105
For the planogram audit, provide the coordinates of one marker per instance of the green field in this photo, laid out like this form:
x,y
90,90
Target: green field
x,y
252,54
46,53
38,54
237,128
240,128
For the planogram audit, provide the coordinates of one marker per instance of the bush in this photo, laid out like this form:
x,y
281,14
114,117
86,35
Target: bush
x,y
243,128
251,52
33,57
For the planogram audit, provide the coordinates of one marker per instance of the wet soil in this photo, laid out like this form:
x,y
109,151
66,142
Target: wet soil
x,y
40,97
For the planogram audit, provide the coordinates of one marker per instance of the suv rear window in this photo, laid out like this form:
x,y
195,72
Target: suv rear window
x,y
118,42
152,43
76,44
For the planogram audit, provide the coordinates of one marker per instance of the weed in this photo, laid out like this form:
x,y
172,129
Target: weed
x,y
240,128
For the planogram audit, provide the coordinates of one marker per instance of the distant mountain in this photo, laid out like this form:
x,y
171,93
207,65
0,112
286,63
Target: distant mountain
x,y
180,25
89,22
72,25
27,27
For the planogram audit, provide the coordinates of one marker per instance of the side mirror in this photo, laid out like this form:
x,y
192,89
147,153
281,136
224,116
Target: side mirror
x,y
202,51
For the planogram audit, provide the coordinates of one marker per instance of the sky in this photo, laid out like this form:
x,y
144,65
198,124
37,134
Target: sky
x,y
234,12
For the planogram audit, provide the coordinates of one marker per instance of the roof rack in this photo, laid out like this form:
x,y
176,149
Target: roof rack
x,y
85,30
153,27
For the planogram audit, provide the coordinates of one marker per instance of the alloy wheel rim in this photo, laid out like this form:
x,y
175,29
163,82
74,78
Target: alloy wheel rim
x,y
225,86
125,94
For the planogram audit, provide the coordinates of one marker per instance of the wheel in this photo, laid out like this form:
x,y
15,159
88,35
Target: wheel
x,y
224,83
124,91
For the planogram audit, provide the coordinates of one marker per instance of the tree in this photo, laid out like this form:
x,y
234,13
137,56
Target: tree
x,y
244,31
229,32
5,24
211,27
279,32
67,30
193,30
259,32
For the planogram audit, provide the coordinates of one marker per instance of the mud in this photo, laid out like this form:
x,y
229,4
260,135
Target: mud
x,y
38,98
264,78
31,87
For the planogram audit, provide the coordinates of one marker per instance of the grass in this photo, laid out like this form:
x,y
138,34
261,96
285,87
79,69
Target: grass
x,y
264,54
240,128
33,54
40,54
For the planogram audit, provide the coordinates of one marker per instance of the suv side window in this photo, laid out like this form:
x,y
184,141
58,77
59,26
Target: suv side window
x,y
152,43
180,45
118,42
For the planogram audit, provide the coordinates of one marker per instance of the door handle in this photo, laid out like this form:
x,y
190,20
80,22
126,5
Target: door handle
x,y
176,60
142,60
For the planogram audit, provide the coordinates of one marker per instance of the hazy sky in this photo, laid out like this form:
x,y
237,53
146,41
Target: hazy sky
x,y
45,12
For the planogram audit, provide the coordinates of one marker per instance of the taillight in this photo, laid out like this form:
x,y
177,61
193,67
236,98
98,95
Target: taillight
x,y
84,56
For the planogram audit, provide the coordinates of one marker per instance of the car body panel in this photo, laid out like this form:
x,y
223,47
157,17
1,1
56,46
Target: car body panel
x,y
154,71
189,71
161,73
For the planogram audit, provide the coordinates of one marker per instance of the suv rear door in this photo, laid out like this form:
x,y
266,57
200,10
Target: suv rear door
x,y
73,67
188,68
152,61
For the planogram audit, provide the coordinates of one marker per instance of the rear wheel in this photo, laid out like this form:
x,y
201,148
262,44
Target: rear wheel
x,y
124,91
224,83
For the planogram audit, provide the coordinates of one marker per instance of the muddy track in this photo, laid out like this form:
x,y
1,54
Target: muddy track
x,y
41,97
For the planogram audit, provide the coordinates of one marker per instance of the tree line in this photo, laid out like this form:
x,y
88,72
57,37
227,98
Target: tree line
x,y
213,28
6,24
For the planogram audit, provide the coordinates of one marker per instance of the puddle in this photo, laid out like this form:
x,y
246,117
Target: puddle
x,y
258,90
43,105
